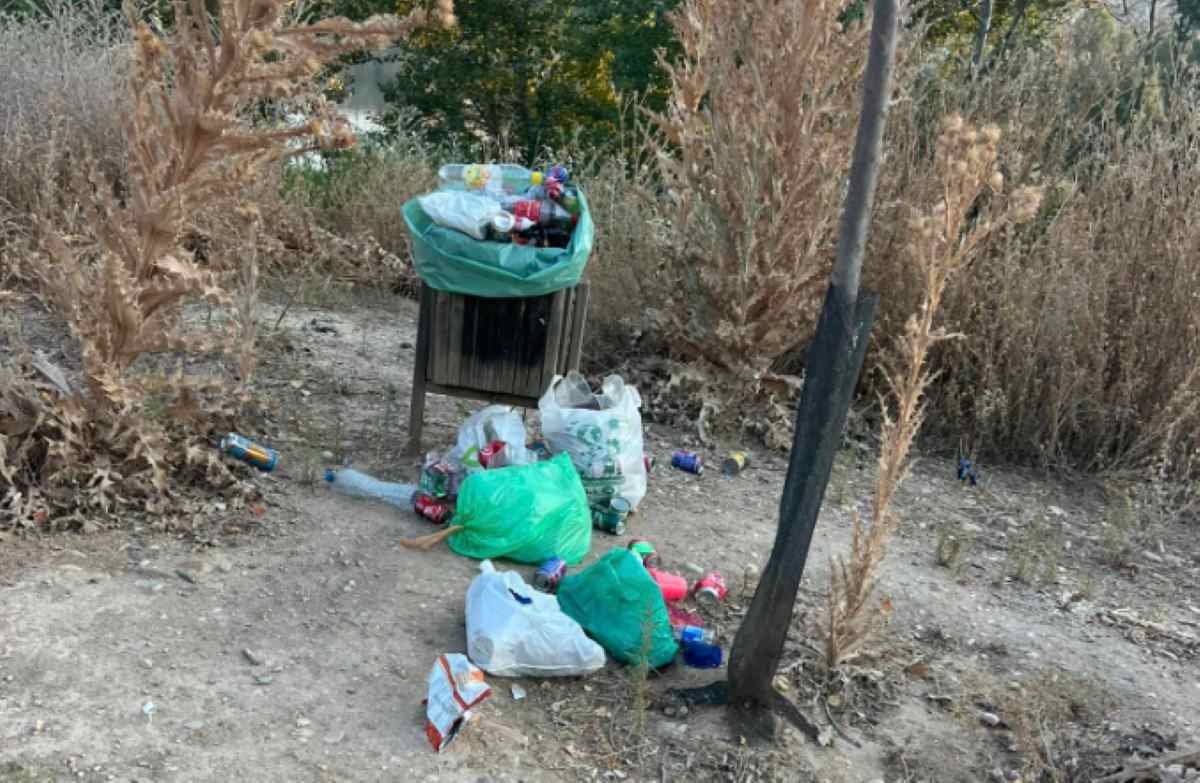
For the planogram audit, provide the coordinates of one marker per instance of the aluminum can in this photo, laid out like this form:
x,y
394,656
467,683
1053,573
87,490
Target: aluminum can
x,y
686,460
248,451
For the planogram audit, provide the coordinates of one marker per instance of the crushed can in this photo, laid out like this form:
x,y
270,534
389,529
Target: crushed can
x,y
436,510
645,552
688,461
649,461
251,453
549,574
710,589
492,455
610,517
735,463
438,477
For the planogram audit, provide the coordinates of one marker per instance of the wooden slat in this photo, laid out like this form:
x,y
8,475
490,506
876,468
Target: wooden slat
x,y
554,335
578,322
533,359
438,337
467,369
416,410
564,346
514,345
454,358
476,394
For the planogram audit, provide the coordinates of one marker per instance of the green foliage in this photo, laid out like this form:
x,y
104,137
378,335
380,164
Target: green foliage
x,y
954,23
530,74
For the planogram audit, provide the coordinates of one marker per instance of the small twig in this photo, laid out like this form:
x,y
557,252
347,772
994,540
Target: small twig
x,y
836,727
425,543
1129,774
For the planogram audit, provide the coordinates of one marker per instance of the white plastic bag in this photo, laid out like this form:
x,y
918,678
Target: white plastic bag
x,y
499,421
516,631
602,433
455,689
470,213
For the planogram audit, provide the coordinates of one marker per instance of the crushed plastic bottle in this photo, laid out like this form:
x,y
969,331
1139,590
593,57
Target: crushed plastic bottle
x,y
496,178
358,484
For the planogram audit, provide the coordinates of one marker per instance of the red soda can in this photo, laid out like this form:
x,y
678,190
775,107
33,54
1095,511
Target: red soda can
x,y
710,589
436,511
492,455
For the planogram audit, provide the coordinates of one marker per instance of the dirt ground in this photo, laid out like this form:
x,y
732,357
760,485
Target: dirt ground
x,y
122,653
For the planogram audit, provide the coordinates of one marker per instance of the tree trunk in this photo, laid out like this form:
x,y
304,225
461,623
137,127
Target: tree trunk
x,y
985,27
835,362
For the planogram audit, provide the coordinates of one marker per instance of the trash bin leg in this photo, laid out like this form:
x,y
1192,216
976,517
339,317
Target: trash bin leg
x,y
416,415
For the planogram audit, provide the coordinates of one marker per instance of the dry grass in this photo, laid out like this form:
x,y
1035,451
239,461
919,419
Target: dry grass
x,y
755,146
944,239
121,287
63,75
1083,338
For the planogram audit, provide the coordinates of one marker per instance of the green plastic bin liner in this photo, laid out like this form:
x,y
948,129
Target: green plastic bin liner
x,y
617,602
449,260
527,513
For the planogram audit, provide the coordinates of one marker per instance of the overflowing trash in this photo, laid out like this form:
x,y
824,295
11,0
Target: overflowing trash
x,y
620,606
496,494
602,433
456,688
500,230
526,513
516,631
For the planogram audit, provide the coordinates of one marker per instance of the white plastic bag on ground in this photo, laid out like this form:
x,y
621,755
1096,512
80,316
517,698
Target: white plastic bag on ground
x,y
499,421
602,433
470,213
516,631
455,688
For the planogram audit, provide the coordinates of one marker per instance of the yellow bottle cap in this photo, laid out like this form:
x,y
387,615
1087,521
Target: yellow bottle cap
x,y
536,178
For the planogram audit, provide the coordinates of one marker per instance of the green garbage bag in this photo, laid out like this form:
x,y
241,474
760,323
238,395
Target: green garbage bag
x,y
621,607
449,260
527,513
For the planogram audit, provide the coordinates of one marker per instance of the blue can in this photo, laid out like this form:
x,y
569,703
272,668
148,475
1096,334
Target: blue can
x,y
248,451
549,574
701,655
686,460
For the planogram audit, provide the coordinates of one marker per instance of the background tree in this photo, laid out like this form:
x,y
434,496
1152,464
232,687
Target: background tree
x,y
531,73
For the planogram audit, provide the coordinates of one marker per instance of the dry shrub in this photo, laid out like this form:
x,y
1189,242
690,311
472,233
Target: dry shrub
x,y
756,142
192,150
62,75
943,239
359,192
1084,337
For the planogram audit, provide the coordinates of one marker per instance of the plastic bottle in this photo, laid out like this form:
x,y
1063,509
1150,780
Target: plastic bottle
x,y
358,484
498,178
673,587
543,212
505,224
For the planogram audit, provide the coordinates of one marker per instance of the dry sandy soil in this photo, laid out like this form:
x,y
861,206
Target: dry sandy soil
x,y
121,653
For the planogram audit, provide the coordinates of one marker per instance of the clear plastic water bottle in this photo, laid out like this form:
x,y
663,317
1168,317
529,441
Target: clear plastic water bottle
x,y
358,484
496,178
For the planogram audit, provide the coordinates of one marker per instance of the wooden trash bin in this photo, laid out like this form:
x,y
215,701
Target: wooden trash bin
x,y
496,350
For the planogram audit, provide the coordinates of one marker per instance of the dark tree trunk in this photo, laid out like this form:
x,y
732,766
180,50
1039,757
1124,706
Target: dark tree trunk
x,y
836,358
